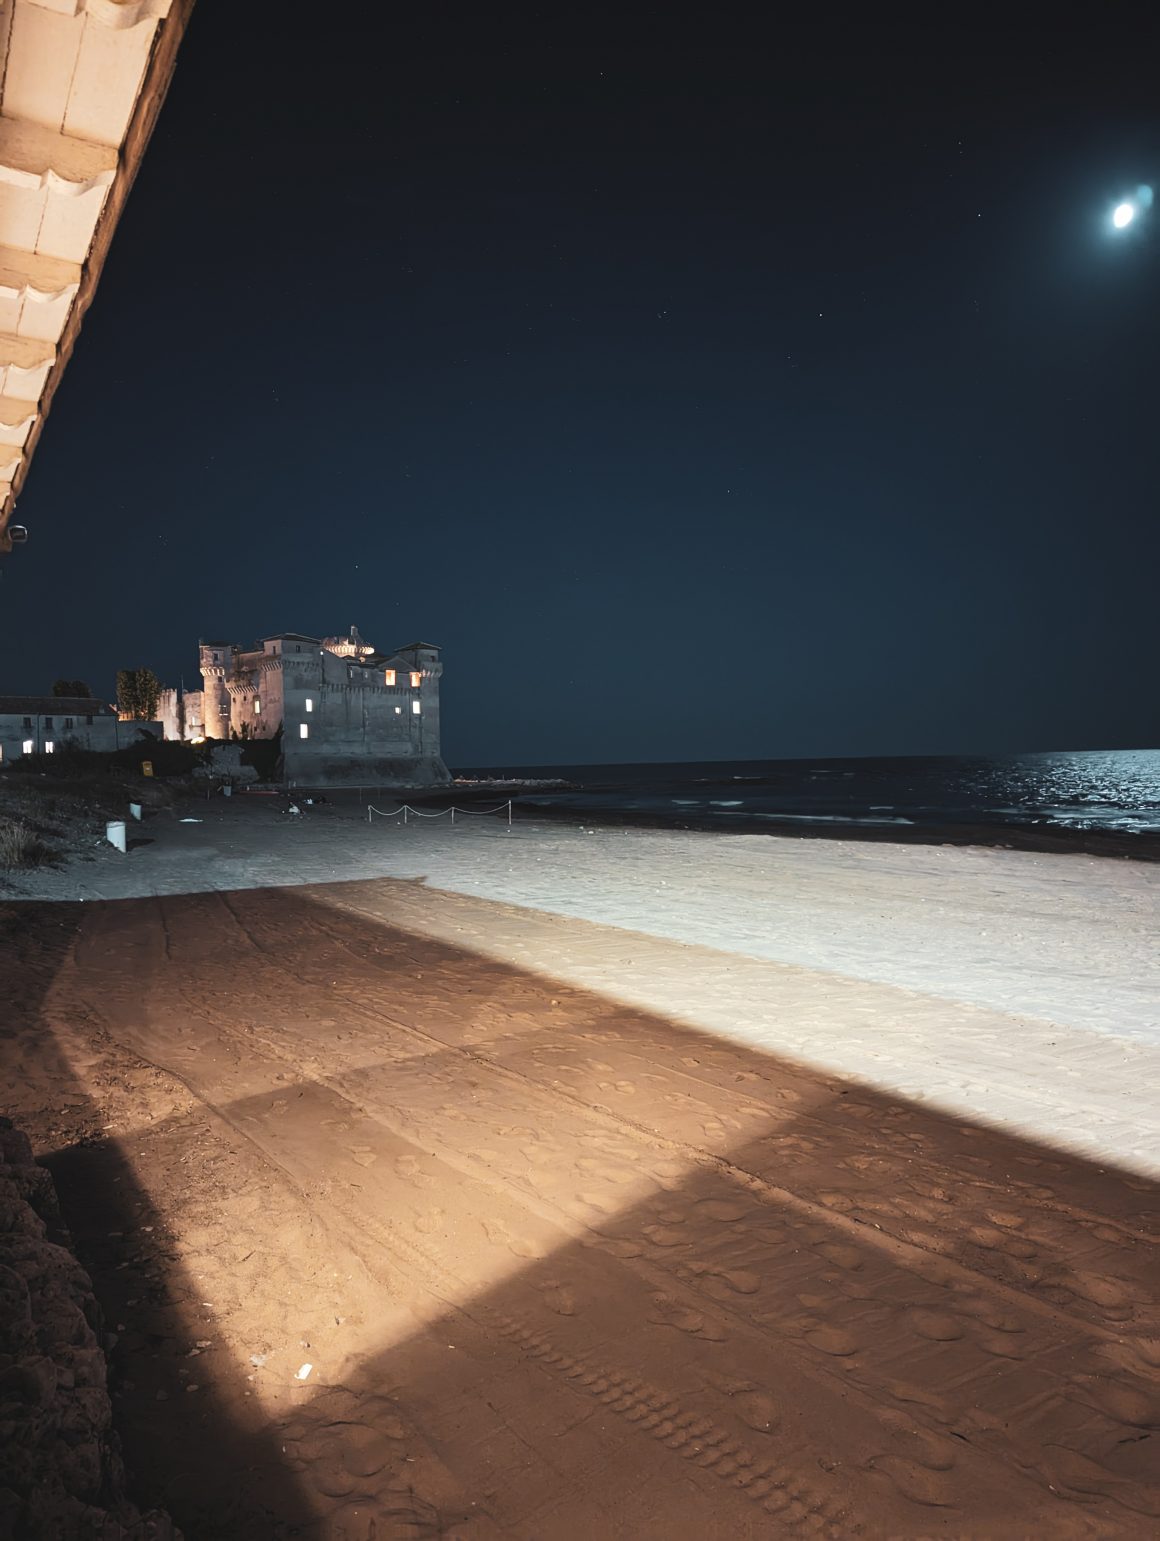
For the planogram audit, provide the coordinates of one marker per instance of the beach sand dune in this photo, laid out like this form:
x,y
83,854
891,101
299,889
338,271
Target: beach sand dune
x,y
417,1219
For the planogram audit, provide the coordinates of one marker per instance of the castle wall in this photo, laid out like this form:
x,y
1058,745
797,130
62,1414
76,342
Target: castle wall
x,y
341,721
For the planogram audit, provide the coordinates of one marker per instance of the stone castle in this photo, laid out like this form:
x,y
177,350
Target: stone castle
x,y
347,713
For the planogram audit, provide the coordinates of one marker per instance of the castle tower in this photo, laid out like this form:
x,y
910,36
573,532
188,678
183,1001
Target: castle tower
x,y
216,663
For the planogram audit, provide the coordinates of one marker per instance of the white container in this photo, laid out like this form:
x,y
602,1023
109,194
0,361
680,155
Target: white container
x,y
115,834
135,811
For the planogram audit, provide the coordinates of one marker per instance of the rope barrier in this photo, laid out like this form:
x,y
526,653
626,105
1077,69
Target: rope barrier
x,y
406,810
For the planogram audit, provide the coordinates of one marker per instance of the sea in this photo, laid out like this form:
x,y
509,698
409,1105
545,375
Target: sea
x,y
1103,792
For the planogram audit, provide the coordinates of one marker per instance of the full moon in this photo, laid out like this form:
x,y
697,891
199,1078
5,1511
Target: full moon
x,y
1123,215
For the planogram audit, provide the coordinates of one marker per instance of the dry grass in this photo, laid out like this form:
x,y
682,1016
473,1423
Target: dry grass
x,y
20,845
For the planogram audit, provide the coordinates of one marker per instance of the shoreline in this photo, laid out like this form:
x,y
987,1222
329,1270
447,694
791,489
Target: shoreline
x,y
1014,837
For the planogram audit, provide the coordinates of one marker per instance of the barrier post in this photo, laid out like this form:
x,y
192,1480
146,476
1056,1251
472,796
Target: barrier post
x,y
404,813
453,815
509,813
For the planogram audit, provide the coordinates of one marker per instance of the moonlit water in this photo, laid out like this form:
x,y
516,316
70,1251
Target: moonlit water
x,y
1112,791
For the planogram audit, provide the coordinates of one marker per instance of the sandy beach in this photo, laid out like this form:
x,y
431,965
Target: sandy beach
x,y
570,1182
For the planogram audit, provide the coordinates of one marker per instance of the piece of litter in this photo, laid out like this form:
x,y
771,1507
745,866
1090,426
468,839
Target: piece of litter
x,y
304,1372
190,821
258,1360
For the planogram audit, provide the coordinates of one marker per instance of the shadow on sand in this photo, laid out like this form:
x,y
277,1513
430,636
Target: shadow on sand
x,y
635,1280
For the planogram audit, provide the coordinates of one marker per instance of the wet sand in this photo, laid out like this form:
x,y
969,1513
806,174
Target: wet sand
x,y
568,1254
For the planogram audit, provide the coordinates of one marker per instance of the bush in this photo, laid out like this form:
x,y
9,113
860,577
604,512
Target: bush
x,y
20,845
72,763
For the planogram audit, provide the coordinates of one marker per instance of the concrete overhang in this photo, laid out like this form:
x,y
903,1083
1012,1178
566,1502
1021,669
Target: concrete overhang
x,y
81,84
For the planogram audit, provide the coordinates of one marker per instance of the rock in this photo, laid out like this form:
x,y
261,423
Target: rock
x,y
61,1473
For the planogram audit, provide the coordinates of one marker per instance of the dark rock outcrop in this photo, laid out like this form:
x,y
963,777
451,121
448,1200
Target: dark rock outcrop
x,y
61,1474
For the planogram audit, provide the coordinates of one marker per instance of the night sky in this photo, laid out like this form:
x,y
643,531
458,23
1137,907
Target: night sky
x,y
707,388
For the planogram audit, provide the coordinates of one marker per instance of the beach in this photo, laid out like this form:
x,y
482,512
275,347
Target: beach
x,y
565,1180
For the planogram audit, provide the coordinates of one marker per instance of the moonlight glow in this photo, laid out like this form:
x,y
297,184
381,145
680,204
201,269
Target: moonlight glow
x,y
1123,215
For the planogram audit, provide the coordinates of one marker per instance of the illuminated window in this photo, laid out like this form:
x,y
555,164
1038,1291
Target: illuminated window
x,y
416,708
389,677
303,730
309,703
27,746
49,746
398,711
257,707
416,681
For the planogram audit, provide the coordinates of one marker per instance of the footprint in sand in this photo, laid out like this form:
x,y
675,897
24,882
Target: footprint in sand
x,y
363,1154
429,1222
664,1235
1134,1405
755,1407
933,1451
727,1210
409,1169
667,1312
558,1297
519,1246
842,1254
615,1246
1112,1294
936,1326
598,1202
834,1200
592,1166
737,1281
832,1340
914,1481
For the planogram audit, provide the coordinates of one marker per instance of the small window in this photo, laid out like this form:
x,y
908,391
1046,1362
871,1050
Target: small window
x,y
88,722
48,722
416,681
297,647
49,746
303,730
27,746
309,703
216,659
68,723
257,707
398,711
388,677
416,708
28,725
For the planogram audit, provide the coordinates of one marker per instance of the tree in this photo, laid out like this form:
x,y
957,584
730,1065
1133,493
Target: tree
x,y
138,692
77,689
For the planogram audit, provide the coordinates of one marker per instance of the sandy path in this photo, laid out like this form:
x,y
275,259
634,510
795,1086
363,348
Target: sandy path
x,y
564,1267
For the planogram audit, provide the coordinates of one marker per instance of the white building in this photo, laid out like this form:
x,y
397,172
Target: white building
x,y
47,724
347,713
